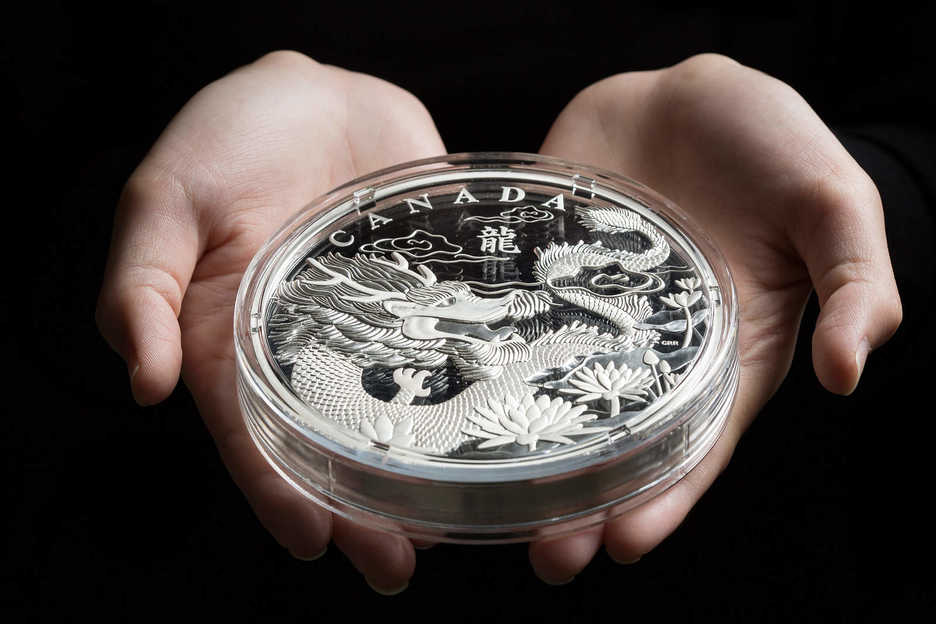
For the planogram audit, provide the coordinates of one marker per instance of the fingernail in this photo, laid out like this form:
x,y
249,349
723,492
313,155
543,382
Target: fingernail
x,y
625,561
133,372
386,592
558,583
312,558
861,356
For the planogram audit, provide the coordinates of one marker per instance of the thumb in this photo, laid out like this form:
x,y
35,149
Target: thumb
x,y
840,235
153,253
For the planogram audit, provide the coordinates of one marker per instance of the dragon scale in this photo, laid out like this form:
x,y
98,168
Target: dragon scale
x,y
332,383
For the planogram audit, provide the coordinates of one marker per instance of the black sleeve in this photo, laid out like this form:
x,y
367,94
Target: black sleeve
x,y
902,162
901,159
890,428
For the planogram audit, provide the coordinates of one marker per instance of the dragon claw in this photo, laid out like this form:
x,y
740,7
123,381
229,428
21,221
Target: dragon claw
x,y
412,380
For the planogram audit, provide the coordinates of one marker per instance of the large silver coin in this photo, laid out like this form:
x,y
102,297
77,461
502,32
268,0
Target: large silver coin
x,y
486,347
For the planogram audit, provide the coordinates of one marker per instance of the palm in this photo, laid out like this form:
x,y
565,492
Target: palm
x,y
747,159
249,192
695,149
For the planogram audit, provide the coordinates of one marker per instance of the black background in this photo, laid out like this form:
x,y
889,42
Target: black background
x,y
121,512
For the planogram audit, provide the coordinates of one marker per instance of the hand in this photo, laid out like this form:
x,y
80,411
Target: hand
x,y
748,159
242,156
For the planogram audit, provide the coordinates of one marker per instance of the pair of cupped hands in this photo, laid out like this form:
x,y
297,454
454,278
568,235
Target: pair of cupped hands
x,y
740,151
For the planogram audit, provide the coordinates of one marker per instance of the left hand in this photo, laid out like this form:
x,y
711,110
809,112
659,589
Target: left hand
x,y
248,151
750,161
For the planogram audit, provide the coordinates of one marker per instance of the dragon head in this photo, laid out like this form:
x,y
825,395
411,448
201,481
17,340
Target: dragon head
x,y
379,311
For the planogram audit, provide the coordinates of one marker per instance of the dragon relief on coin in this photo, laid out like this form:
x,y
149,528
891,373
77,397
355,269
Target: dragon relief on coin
x,y
489,322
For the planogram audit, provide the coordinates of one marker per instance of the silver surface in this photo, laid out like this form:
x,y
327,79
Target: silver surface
x,y
489,321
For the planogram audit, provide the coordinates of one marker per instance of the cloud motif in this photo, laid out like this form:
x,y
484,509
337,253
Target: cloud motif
x,y
421,245
517,214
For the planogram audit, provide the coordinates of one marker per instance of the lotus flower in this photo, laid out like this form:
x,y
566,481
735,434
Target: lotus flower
x,y
528,420
382,430
689,283
610,384
681,299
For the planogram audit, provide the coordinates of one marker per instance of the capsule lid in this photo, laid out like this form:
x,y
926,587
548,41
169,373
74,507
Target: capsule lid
x,y
486,347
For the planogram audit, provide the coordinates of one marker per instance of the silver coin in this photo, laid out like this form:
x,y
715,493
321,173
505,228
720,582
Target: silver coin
x,y
488,316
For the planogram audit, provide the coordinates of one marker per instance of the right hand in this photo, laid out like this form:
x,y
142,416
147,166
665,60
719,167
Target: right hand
x,y
241,157
791,210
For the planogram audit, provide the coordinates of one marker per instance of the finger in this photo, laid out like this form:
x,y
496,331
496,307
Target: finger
x,y
636,532
153,253
386,561
557,561
633,534
296,523
840,235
